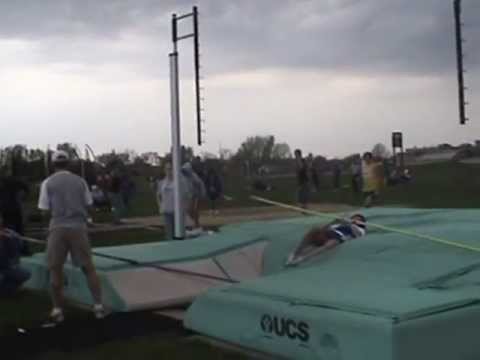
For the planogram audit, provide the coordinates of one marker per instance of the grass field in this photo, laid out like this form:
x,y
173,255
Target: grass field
x,y
441,185
438,185
31,308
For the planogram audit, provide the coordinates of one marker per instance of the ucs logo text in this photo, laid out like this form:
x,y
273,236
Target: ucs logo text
x,y
285,327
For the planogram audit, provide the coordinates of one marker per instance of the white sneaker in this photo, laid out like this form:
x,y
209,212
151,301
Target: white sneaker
x,y
290,259
294,260
99,311
298,260
55,318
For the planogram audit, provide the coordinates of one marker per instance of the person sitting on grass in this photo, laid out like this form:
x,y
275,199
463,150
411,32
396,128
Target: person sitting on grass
x,y
328,236
12,275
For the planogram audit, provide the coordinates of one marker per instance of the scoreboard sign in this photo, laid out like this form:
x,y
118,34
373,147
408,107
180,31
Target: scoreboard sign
x,y
397,140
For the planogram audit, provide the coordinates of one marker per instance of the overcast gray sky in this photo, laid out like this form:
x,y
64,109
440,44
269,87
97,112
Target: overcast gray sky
x,y
332,77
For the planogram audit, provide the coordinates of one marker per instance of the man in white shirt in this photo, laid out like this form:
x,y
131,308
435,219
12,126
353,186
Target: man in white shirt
x,y
67,197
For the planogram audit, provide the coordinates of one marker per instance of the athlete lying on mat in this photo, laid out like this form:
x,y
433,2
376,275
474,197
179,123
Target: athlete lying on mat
x,y
327,237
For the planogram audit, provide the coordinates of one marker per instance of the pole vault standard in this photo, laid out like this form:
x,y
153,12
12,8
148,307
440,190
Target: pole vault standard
x,y
179,212
457,8
176,147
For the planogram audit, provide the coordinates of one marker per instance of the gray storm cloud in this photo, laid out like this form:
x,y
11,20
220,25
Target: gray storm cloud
x,y
357,68
362,36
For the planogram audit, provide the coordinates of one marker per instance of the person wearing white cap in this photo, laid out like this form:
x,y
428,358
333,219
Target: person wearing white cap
x,y
67,197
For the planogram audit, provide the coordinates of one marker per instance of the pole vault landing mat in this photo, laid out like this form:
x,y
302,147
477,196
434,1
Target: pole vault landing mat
x,y
157,275
387,296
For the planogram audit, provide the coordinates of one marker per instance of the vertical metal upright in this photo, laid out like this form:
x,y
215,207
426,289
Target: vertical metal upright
x,y
196,59
457,8
176,148
179,208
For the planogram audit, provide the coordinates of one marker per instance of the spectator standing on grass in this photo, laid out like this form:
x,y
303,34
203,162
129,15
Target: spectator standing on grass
x,y
165,199
127,189
356,175
214,187
67,198
100,192
313,172
12,275
198,167
100,201
13,192
116,197
303,183
372,177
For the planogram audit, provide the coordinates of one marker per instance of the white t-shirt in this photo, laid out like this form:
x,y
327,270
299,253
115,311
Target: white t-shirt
x,y
67,197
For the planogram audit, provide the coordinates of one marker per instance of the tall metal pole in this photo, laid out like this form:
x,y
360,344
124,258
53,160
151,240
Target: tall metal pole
x,y
179,209
196,59
179,215
457,6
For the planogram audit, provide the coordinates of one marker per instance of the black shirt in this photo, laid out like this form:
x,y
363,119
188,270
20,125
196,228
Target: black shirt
x,y
302,173
11,192
116,184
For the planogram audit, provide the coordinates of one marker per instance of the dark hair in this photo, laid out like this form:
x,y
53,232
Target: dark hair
x,y
298,151
362,218
368,154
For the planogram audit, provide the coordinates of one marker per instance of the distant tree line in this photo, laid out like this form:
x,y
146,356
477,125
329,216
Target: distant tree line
x,y
255,154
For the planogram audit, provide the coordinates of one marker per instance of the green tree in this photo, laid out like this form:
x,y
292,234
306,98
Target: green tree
x,y
380,151
256,149
225,154
281,151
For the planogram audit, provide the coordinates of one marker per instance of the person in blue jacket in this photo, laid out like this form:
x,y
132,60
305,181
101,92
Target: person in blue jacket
x,y
12,275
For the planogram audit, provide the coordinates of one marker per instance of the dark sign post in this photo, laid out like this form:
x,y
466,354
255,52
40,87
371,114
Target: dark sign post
x,y
397,143
457,7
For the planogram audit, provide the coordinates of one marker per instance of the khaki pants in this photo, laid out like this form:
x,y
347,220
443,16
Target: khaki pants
x,y
64,241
